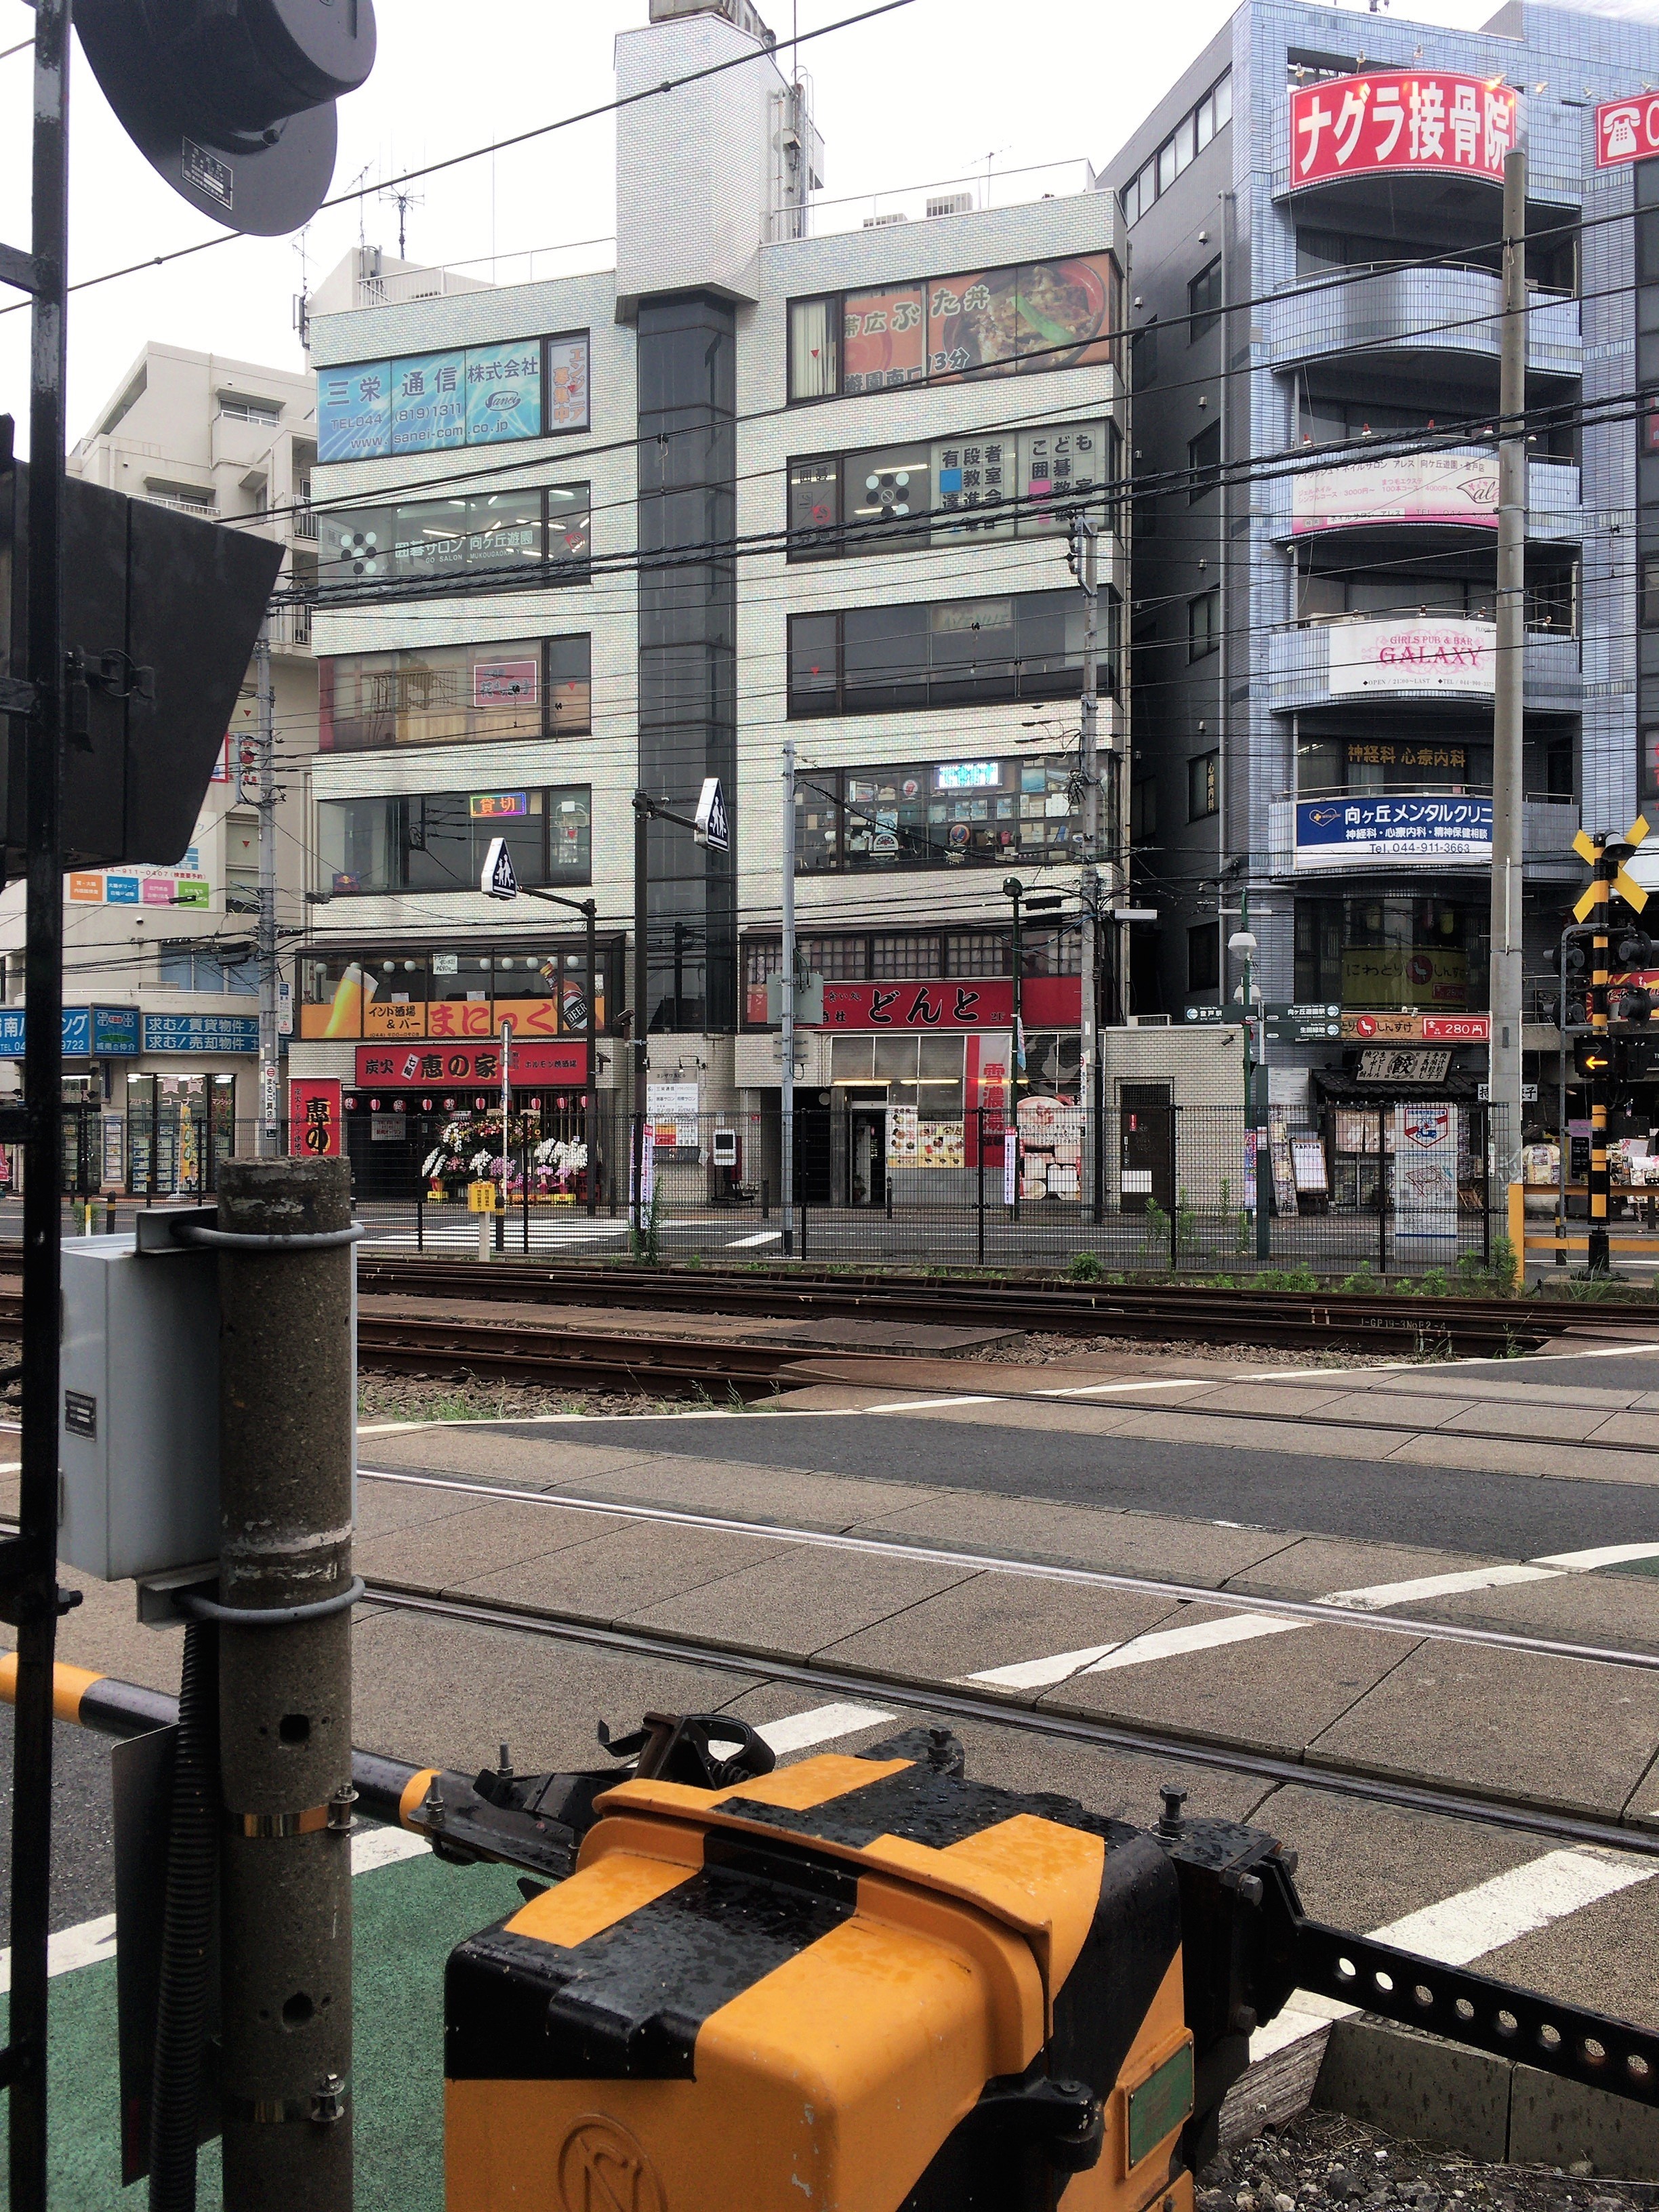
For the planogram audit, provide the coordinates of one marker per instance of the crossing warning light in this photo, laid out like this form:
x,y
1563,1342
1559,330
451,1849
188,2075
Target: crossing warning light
x,y
233,100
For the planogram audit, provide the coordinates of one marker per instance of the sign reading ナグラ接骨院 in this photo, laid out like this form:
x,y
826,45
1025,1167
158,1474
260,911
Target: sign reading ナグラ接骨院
x,y
1411,119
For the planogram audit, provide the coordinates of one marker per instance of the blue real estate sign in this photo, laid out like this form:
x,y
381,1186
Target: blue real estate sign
x,y
98,1032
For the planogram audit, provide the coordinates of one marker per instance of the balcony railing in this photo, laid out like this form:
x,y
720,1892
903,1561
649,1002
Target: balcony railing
x,y
1399,310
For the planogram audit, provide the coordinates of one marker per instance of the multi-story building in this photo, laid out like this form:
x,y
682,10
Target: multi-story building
x,y
764,476
160,970
1314,224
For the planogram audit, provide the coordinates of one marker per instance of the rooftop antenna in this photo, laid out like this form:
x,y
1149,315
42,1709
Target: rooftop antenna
x,y
989,158
355,186
404,200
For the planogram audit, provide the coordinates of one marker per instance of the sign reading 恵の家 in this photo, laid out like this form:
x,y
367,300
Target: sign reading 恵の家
x,y
405,1067
314,1117
1410,118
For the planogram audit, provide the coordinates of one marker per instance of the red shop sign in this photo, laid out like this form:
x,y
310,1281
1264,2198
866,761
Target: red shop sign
x,y
407,1066
969,1003
1627,130
1457,1028
1435,119
314,1117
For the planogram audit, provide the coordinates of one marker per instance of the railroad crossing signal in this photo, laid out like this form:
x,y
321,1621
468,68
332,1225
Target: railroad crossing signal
x,y
234,105
1592,851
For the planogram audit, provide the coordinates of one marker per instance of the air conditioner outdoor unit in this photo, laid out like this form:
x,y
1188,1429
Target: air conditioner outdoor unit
x,y
881,222
951,203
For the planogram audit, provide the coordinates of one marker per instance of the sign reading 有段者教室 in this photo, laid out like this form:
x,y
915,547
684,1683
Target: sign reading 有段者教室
x,y
201,1033
1341,832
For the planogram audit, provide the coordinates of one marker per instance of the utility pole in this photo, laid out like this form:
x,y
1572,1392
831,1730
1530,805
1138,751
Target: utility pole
x,y
642,810
1085,564
30,1587
1504,1087
787,1071
271,1103
287,1397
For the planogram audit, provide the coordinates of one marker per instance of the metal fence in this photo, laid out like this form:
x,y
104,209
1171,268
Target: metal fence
x,y
1388,1189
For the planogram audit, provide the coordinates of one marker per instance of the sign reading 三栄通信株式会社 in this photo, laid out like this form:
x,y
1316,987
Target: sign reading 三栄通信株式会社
x,y
478,395
1338,832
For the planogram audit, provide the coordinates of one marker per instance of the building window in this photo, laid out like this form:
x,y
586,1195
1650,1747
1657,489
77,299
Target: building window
x,y
1204,462
1143,809
942,653
1651,590
242,863
1204,300
989,322
187,964
1203,623
1203,957
1196,128
540,986
1203,786
437,841
447,695
482,395
1143,354
934,814
906,499
1399,952
541,533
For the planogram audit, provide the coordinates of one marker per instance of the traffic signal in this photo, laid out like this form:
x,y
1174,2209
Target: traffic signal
x,y
161,613
1632,949
1598,1056
233,100
1578,962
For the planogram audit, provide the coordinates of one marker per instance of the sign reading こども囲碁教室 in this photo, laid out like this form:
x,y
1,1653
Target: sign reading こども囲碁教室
x,y
1626,129
1402,119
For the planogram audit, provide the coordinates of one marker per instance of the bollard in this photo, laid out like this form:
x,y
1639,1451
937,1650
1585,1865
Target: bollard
x,y
287,1412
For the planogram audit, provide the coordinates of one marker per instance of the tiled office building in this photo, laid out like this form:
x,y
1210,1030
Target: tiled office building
x,y
1313,217
767,476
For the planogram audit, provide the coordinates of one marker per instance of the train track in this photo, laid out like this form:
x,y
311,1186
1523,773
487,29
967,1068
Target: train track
x,y
1353,1319
1316,1612
954,1701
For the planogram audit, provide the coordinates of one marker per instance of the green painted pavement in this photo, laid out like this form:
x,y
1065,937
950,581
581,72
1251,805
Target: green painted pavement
x,y
408,1918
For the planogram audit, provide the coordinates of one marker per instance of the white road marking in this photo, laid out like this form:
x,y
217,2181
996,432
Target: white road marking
x,y
1381,1595
1599,1555
766,1236
85,1946
371,1848
1463,1929
823,1725
94,1941
1135,1650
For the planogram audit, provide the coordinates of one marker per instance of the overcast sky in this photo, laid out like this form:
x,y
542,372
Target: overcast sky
x,y
922,95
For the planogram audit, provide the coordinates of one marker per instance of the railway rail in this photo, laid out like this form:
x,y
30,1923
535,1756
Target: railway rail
x,y
955,1701
1354,1320
1321,1611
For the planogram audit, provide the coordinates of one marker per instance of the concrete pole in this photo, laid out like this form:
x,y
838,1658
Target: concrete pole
x,y
287,1407
270,1111
1507,789
1086,561
786,1072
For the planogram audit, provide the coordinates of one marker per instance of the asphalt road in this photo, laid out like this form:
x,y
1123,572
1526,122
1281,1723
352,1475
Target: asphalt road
x,y
1450,1509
